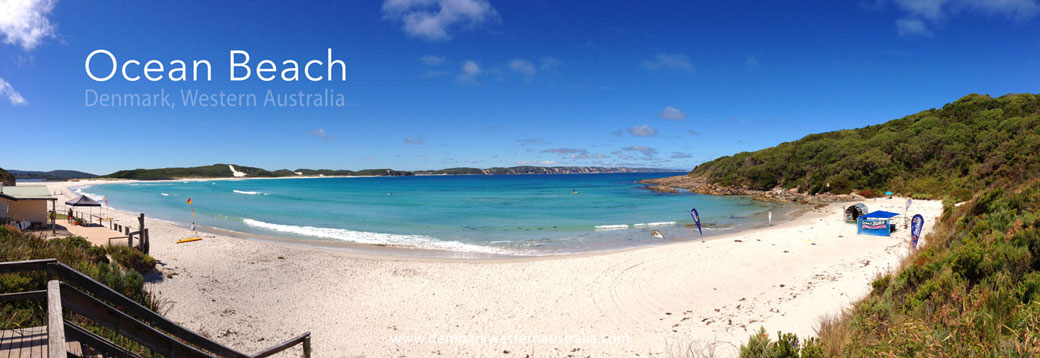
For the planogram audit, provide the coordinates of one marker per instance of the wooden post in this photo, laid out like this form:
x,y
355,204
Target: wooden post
x,y
144,235
145,241
54,215
55,322
307,347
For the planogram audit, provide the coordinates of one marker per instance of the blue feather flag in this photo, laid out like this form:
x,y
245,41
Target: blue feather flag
x,y
916,225
697,220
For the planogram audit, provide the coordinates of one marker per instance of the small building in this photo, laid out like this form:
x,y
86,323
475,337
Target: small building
x,y
854,211
25,203
878,223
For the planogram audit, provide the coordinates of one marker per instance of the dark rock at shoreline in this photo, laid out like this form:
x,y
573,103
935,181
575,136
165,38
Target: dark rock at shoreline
x,y
701,185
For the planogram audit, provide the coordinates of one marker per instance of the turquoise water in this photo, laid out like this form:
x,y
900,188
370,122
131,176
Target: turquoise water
x,y
514,214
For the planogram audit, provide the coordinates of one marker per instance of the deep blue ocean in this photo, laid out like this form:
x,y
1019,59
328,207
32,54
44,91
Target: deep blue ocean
x,y
507,214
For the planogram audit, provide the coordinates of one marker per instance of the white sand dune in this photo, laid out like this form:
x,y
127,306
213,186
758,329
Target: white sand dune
x,y
250,294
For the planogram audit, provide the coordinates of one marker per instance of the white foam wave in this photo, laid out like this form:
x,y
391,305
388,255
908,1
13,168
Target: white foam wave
x,y
96,197
164,194
611,227
373,238
248,192
660,223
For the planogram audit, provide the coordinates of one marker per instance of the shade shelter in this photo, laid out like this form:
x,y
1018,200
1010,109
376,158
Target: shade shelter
x,y
854,211
84,201
878,223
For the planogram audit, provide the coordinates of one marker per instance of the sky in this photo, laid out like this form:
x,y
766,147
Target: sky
x,y
480,83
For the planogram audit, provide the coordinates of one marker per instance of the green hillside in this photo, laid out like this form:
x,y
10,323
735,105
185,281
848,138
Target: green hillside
x,y
973,290
956,150
51,175
209,171
223,171
6,178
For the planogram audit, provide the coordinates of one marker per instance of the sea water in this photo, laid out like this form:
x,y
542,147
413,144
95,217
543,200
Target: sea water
x,y
499,214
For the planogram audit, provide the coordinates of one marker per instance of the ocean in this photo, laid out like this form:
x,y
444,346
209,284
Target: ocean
x,y
499,215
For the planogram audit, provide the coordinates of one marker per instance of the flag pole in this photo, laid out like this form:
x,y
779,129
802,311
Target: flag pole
x,y
195,233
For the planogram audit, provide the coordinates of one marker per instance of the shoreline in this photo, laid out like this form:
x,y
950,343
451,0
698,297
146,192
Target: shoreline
x,y
246,293
390,251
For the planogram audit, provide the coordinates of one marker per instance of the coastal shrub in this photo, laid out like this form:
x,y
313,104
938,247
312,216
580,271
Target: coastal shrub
x,y
787,345
79,254
132,258
972,290
974,143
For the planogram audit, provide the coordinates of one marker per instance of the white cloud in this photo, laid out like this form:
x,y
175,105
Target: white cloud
x,y
320,132
24,22
548,63
523,66
1019,10
431,60
532,162
668,61
922,12
929,9
681,155
415,140
470,71
565,151
433,19
642,131
12,95
672,113
648,153
693,132
912,27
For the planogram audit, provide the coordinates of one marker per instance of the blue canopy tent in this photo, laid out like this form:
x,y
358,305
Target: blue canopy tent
x,y
877,223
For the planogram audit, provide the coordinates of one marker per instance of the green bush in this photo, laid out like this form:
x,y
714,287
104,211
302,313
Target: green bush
x,y
974,288
786,346
132,258
76,252
955,151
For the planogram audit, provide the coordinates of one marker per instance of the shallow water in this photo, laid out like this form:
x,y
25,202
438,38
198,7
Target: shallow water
x,y
514,214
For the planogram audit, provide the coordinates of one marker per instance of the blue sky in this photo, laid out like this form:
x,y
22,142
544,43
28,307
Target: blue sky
x,y
444,83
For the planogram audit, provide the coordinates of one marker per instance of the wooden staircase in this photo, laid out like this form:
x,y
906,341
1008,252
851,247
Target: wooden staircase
x,y
71,290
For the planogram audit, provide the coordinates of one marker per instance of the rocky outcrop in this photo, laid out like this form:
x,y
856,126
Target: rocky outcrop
x,y
662,189
701,185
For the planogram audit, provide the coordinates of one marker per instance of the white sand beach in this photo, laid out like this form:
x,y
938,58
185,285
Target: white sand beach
x,y
250,294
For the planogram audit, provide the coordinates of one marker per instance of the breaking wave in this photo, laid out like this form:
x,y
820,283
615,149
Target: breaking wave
x,y
248,192
373,238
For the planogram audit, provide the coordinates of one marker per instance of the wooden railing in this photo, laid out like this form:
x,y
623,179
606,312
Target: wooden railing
x,y
72,290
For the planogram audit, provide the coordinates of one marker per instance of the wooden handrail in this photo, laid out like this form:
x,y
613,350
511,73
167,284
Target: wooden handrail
x,y
23,266
27,295
131,307
126,317
303,338
106,347
55,322
124,325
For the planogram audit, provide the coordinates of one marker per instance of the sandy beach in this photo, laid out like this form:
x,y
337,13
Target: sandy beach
x,y
250,294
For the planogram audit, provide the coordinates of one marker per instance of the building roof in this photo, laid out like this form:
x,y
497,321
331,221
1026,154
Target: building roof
x,y
880,214
28,192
